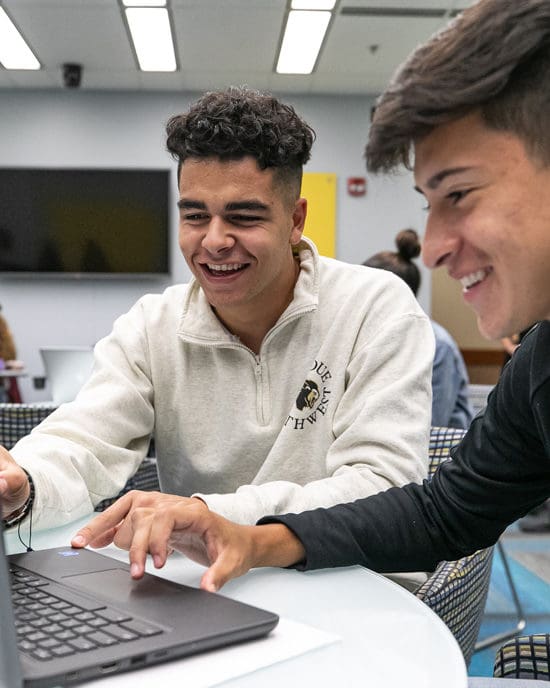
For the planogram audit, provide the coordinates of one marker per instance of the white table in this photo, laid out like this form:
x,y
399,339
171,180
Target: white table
x,y
13,372
388,637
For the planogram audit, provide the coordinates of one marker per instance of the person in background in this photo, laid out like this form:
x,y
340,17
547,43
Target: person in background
x,y
450,405
511,343
276,380
8,354
473,104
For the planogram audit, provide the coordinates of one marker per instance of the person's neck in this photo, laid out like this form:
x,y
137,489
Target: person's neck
x,y
252,326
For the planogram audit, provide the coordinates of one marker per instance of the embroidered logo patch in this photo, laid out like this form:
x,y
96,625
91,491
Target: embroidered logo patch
x,y
313,399
308,395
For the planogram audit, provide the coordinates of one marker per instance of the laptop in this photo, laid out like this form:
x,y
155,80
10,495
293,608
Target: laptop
x,y
56,630
66,369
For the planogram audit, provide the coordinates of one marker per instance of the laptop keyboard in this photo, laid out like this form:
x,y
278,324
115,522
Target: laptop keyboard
x,y
53,621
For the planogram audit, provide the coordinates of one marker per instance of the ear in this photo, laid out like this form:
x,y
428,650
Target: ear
x,y
298,221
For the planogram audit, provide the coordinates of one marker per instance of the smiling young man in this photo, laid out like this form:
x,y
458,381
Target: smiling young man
x,y
275,380
248,274
473,103
489,220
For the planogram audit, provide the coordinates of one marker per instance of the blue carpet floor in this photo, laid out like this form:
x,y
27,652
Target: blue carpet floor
x,y
532,581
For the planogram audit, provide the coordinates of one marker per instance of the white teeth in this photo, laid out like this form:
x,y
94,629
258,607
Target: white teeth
x,y
469,280
224,268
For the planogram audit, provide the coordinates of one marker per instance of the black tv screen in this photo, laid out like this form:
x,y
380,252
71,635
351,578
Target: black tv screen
x,y
76,222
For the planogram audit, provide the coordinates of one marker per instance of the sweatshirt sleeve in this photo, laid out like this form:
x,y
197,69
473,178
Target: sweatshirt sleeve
x,y
499,471
86,450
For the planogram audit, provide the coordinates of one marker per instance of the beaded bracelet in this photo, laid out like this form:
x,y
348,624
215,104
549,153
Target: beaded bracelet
x,y
22,512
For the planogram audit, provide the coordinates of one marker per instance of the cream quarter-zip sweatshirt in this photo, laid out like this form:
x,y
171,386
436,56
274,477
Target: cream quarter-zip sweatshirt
x,y
336,405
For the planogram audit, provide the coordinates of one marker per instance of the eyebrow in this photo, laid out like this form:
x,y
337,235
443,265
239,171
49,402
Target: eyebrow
x,y
435,181
186,203
247,205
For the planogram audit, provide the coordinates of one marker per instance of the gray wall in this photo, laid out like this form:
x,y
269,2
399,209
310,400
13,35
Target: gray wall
x,y
81,129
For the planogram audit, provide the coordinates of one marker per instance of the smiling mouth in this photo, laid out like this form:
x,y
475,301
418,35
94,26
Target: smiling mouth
x,y
224,269
474,278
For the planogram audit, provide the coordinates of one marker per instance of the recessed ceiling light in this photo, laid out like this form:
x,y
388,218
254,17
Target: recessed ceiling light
x,y
152,37
14,51
144,3
302,41
313,4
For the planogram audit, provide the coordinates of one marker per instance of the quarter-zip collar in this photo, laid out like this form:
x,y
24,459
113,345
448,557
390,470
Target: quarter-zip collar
x,y
199,324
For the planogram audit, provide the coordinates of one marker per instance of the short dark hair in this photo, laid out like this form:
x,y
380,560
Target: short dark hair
x,y
239,122
400,263
493,58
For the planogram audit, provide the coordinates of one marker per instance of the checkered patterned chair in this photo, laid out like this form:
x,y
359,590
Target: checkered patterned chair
x,y
526,657
145,478
457,590
17,420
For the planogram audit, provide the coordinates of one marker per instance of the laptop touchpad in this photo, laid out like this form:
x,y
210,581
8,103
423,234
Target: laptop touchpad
x,y
116,584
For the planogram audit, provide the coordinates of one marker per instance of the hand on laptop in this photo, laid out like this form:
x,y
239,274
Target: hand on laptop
x,y
122,522
14,485
154,523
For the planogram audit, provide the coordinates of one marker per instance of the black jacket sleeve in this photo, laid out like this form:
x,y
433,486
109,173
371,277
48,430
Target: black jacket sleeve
x,y
499,471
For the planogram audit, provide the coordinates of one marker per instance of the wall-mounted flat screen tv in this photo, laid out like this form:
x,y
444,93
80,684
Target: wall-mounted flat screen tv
x,y
84,223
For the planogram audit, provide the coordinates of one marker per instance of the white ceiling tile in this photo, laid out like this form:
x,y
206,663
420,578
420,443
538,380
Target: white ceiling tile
x,y
219,42
228,37
372,44
92,33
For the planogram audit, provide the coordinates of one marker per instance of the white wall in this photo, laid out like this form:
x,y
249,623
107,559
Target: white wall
x,y
81,129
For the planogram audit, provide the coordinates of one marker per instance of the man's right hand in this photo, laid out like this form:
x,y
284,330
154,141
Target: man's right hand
x,y
156,524
14,484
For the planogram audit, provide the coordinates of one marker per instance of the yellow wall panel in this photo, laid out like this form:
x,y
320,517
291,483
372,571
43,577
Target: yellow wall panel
x,y
320,190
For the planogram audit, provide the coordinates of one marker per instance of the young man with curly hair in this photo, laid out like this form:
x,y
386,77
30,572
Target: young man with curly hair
x,y
276,380
473,104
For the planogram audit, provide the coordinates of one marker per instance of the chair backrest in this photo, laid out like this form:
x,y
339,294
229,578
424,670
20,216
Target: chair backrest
x,y
442,440
145,478
477,395
67,369
457,590
17,420
527,657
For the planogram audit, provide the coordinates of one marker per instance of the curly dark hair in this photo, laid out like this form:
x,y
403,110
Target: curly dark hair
x,y
493,58
400,263
239,122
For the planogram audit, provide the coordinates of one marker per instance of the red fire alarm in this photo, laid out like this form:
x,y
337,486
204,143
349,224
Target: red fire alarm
x,y
357,186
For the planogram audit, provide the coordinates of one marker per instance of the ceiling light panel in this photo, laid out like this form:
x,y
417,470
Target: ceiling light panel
x,y
302,41
152,37
14,51
313,4
144,3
